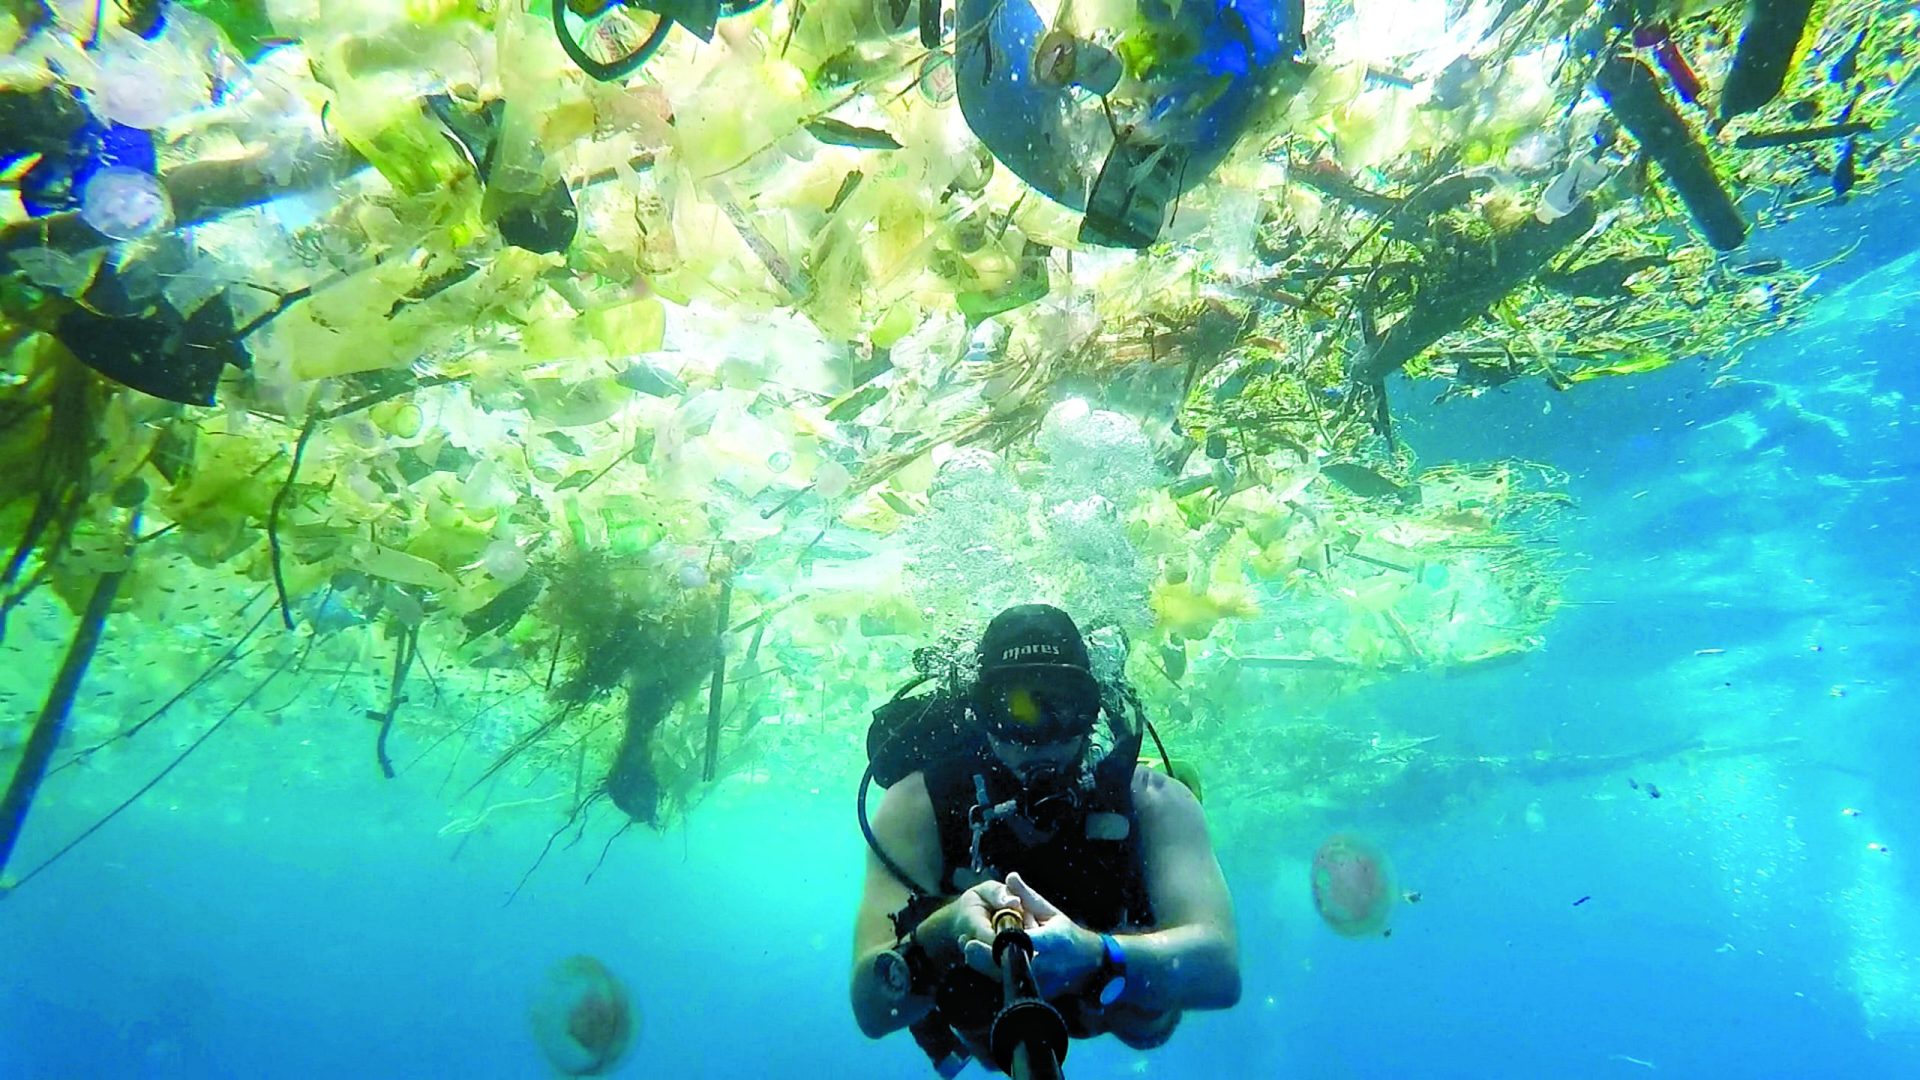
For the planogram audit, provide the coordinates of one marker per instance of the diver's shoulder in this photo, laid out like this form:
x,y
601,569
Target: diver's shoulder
x,y
1153,790
907,827
917,778
907,803
909,790
1148,782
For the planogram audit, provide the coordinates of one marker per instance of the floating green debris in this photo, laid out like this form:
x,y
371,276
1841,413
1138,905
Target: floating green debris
x,y
555,356
1757,140
840,133
1367,483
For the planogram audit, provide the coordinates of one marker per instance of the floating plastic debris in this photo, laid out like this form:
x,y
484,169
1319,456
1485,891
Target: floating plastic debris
x,y
938,83
545,349
1031,95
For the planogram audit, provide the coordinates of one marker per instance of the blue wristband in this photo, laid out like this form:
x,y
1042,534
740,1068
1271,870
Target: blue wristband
x,y
1112,979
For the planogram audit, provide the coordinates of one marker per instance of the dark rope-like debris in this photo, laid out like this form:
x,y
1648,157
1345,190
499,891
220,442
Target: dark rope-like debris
x,y
577,814
598,863
220,666
402,662
162,775
47,728
717,689
273,516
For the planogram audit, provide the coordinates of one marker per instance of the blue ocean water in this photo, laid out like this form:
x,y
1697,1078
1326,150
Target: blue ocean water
x,y
1744,585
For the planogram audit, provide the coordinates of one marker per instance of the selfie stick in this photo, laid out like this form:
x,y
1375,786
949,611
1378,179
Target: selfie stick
x,y
1029,1037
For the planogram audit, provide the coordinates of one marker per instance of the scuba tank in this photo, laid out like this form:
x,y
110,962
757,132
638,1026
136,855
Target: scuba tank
x,y
911,730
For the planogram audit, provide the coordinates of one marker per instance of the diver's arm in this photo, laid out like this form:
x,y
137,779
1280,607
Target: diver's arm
x,y
905,829
1191,960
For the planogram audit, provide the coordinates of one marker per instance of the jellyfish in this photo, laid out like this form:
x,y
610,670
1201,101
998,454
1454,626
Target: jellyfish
x,y
125,204
582,1017
692,575
505,561
1352,886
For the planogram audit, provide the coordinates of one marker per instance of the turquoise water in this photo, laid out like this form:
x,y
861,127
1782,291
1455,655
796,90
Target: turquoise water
x,y
1745,580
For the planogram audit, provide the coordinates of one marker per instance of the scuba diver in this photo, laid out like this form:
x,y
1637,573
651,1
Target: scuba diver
x,y
1004,794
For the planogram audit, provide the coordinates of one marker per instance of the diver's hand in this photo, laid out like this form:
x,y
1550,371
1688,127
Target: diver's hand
x,y
1065,954
963,930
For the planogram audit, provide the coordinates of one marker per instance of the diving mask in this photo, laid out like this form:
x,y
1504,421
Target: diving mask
x,y
1018,707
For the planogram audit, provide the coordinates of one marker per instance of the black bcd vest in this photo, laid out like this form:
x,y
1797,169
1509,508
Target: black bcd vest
x,y
1090,864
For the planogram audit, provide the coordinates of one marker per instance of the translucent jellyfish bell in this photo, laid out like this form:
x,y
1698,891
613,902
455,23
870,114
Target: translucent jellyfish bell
x,y
582,1017
938,83
1352,886
505,561
146,84
126,204
127,93
832,480
691,575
